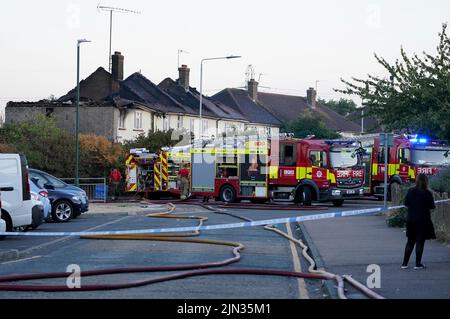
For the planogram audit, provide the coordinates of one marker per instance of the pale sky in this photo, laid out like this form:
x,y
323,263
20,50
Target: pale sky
x,y
292,42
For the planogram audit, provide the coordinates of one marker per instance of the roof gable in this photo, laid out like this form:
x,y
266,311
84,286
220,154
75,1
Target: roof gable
x,y
95,87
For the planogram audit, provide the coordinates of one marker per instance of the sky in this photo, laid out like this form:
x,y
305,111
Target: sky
x,y
290,43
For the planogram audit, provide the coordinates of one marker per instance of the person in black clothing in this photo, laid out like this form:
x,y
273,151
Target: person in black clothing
x,y
419,226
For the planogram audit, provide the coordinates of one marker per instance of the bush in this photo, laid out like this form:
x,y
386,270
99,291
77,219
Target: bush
x,y
98,155
51,149
441,182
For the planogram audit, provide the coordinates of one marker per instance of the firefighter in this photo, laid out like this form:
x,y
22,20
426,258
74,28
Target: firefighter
x,y
114,179
184,181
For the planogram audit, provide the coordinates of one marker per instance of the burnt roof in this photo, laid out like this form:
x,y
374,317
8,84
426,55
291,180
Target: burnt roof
x,y
191,99
284,108
95,87
137,88
241,101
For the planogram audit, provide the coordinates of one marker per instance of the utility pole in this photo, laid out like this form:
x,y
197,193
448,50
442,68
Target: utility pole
x,y
111,10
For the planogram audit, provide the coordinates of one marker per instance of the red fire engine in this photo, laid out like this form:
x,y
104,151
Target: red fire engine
x,y
296,170
407,158
316,170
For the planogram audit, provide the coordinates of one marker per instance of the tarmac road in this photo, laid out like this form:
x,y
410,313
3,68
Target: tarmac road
x,y
263,249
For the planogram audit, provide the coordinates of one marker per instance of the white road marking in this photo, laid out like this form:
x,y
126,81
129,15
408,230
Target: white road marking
x,y
303,292
31,249
20,260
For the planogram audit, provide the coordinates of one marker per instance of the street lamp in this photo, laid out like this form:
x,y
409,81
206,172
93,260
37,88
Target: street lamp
x,y
77,121
201,86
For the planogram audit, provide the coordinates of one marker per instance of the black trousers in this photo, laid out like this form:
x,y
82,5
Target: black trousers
x,y
420,244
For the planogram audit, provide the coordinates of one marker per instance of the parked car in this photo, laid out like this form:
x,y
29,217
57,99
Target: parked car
x,y
16,205
67,201
37,212
42,196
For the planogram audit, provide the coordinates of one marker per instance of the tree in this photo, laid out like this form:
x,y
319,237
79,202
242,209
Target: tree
x,y
154,141
341,106
98,155
308,124
46,146
414,95
51,149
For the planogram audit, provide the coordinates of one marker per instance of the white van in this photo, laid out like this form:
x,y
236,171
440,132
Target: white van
x,y
17,206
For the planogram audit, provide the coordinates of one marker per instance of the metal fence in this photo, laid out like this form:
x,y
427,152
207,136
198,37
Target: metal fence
x,y
96,188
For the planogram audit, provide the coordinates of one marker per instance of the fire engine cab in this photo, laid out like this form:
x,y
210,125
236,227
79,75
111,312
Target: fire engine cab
x,y
316,170
408,157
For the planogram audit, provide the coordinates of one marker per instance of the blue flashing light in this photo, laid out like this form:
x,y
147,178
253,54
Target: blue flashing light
x,y
419,140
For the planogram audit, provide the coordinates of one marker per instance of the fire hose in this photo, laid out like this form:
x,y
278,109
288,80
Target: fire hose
x,y
194,269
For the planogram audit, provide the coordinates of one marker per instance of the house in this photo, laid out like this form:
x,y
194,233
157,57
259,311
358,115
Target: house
x,y
283,108
218,117
369,124
121,109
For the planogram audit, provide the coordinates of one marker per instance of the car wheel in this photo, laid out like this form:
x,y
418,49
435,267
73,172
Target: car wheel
x,y
338,202
227,194
62,211
8,222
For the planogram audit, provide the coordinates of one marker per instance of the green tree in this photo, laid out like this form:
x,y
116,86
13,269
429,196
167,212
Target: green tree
x,y
414,95
154,141
341,106
308,124
46,146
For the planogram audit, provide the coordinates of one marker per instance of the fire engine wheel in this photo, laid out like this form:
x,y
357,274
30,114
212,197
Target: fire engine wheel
x,y
306,196
227,194
338,202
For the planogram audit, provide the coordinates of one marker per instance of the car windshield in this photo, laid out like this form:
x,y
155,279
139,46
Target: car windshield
x,y
343,157
431,157
45,179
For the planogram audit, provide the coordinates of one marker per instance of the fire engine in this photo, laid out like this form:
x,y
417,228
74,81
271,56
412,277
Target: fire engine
x,y
261,169
256,169
408,157
316,170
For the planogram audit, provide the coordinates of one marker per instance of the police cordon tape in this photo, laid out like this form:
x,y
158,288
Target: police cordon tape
x,y
212,227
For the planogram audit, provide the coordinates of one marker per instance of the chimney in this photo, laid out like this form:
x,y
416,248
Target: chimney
x,y
311,96
117,66
253,89
183,79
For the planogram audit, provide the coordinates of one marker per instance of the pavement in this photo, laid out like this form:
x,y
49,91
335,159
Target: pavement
x,y
350,245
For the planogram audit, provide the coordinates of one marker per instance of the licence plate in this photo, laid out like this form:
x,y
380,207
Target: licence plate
x,y
351,191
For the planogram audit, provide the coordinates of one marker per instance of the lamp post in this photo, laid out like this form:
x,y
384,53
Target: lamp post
x,y
201,87
77,121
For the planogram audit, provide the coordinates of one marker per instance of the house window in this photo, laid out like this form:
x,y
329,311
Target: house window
x,y
122,119
192,125
268,130
180,122
138,120
165,124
